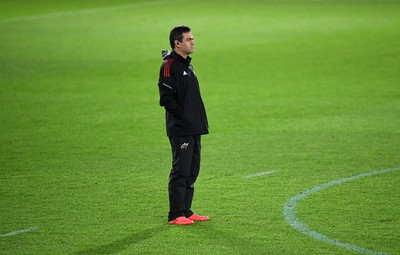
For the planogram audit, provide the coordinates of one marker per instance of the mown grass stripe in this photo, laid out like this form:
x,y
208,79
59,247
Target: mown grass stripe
x,y
83,11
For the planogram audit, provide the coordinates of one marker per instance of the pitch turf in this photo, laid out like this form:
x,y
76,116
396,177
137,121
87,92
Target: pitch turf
x,y
306,89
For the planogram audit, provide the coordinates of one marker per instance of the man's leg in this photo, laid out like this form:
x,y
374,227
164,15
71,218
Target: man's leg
x,y
194,172
182,151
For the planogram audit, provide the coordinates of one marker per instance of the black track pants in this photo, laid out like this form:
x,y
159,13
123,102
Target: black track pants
x,y
185,169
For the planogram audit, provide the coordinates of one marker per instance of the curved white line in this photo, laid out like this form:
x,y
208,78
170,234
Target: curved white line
x,y
289,212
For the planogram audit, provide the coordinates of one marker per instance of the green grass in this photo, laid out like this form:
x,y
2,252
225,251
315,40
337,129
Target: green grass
x,y
309,89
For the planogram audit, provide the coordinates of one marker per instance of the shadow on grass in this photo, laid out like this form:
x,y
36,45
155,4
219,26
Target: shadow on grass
x,y
230,242
122,244
225,239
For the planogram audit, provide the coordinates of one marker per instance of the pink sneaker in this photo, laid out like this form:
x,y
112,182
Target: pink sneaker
x,y
198,217
182,220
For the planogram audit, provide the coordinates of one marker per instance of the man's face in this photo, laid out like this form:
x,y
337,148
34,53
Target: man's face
x,y
187,44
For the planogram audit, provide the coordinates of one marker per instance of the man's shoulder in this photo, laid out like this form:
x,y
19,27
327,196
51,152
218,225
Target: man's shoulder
x,y
173,62
167,56
172,67
173,58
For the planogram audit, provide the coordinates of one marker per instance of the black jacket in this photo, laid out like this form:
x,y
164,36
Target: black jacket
x,y
180,96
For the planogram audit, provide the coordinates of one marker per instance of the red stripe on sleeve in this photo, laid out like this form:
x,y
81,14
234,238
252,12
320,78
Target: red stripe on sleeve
x,y
167,67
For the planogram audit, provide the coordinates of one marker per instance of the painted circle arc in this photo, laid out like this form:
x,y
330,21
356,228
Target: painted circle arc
x,y
289,212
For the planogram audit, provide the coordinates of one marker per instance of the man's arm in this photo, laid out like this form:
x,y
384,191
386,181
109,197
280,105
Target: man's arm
x,y
168,88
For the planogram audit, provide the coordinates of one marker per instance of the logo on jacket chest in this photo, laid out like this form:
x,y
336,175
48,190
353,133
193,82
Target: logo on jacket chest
x,y
189,72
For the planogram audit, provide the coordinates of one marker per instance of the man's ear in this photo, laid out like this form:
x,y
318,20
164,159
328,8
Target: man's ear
x,y
177,43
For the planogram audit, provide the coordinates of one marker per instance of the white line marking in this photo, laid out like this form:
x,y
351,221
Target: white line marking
x,y
84,11
16,232
258,174
289,212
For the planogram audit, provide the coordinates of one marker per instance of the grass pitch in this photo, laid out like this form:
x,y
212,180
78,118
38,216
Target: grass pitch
x,y
306,89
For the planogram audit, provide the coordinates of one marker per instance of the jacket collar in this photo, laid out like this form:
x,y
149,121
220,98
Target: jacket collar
x,y
181,59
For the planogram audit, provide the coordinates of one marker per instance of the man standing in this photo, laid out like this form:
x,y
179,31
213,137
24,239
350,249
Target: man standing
x,y
186,121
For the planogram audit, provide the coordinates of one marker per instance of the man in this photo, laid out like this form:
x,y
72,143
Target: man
x,y
186,121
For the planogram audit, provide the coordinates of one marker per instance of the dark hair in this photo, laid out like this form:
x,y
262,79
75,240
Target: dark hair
x,y
177,34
